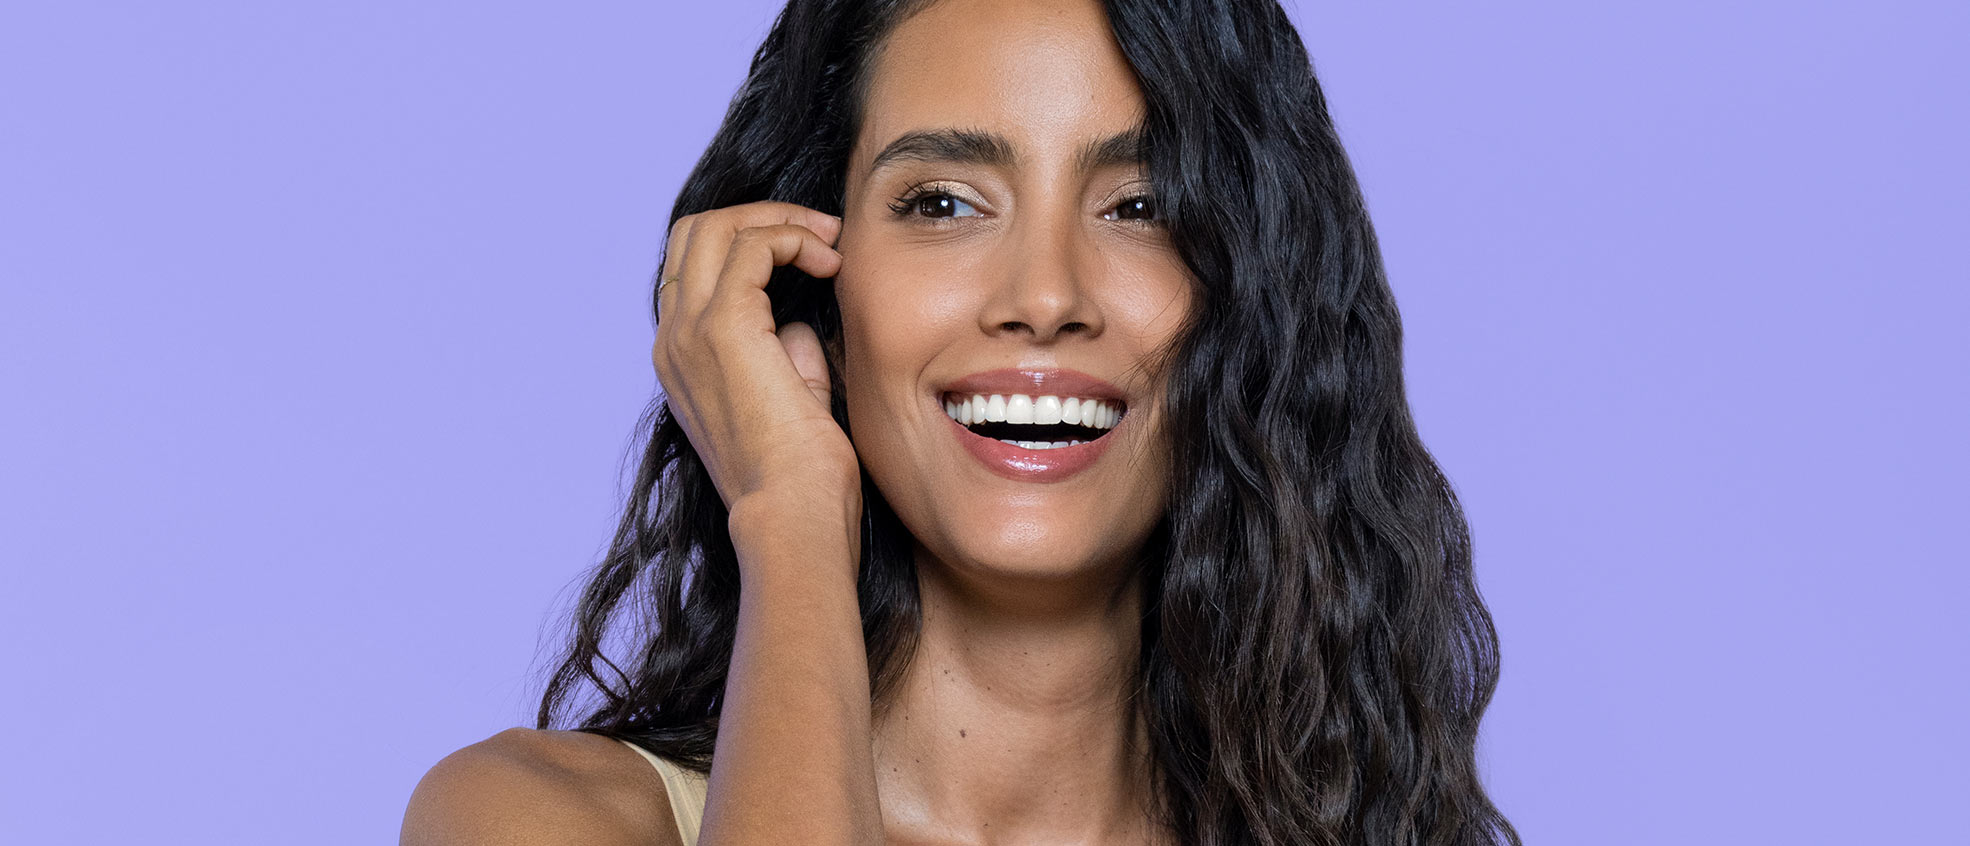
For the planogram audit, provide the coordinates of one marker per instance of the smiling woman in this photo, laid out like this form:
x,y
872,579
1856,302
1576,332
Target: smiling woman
x,y
1034,465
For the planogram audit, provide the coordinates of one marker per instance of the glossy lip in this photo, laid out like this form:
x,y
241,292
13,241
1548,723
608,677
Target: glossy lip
x,y
1035,382
1018,463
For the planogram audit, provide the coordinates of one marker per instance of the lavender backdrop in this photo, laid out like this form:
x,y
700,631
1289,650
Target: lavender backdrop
x,y
322,334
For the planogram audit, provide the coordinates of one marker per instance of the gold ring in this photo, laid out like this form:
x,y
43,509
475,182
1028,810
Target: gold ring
x,y
667,280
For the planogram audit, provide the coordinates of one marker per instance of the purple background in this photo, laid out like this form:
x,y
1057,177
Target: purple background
x,y
323,331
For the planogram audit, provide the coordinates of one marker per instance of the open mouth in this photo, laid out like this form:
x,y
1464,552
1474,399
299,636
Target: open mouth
x,y
1035,422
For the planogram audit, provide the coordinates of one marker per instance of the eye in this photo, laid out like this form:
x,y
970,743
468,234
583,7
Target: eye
x,y
932,201
1143,205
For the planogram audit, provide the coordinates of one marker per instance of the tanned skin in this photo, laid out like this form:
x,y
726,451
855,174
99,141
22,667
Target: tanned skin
x,y
1011,724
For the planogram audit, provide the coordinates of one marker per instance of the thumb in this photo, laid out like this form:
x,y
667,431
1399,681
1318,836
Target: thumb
x,y
804,348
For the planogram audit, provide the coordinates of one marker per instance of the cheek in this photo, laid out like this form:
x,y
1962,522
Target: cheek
x,y
889,337
880,349
896,317
1157,300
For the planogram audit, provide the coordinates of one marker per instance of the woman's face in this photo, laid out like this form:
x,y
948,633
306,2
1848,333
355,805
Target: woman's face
x,y
1015,259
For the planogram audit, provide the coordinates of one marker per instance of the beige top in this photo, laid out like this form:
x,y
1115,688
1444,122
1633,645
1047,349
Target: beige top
x,y
686,789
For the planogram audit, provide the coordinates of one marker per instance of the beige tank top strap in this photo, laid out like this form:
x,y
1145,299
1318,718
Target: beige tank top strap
x,y
686,789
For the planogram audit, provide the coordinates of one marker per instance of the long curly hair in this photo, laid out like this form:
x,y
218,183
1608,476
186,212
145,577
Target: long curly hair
x,y
1315,655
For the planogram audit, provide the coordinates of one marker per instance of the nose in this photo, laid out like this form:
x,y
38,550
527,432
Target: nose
x,y
1043,286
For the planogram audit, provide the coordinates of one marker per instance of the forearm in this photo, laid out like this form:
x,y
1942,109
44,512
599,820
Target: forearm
x,y
793,760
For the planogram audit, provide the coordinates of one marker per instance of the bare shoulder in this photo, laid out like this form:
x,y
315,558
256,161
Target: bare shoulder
x,y
528,786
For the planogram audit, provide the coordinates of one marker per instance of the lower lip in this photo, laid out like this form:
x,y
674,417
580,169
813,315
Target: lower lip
x,y
1030,465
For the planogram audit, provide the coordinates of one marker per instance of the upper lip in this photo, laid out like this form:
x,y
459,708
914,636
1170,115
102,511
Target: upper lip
x,y
1036,382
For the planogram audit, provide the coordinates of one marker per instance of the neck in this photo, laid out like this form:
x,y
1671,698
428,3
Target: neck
x,y
1014,720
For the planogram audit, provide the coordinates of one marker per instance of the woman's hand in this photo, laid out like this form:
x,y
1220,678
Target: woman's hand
x,y
753,401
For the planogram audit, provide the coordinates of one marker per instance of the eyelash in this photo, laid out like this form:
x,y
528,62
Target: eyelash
x,y
906,205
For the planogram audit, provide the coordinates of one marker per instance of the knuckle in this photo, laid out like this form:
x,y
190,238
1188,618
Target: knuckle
x,y
753,235
682,229
724,220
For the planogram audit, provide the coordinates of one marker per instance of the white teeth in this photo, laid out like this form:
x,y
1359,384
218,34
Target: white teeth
x,y
1046,411
1040,410
1040,444
1019,409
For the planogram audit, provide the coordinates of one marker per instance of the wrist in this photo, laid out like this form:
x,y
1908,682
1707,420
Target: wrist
x,y
807,524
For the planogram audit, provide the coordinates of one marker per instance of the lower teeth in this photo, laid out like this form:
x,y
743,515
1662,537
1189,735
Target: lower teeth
x,y
1040,444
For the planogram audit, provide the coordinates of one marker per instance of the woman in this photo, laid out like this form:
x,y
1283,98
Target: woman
x,y
1031,366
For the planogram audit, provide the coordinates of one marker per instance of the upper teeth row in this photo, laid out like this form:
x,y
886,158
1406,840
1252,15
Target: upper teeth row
x,y
1020,408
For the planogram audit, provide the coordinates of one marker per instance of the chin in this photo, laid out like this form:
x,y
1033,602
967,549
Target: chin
x,y
1026,547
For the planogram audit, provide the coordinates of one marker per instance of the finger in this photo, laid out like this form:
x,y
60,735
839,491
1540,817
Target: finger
x,y
676,245
673,262
710,239
804,347
756,251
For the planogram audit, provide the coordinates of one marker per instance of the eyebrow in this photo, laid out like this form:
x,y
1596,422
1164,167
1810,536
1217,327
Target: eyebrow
x,y
969,146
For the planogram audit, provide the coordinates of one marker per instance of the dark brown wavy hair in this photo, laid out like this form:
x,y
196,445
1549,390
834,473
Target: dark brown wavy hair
x,y
1316,657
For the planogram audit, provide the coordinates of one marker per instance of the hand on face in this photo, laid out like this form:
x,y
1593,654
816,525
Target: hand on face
x,y
752,399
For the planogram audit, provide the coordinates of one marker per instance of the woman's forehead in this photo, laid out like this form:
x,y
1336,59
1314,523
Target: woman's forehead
x,y
1046,80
